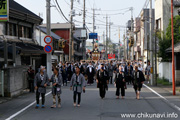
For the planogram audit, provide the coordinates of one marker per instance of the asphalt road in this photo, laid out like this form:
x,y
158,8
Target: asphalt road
x,y
92,107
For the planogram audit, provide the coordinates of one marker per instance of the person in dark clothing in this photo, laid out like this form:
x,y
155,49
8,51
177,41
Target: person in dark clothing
x,y
120,83
82,68
102,81
90,73
128,73
138,80
31,74
110,70
64,75
70,71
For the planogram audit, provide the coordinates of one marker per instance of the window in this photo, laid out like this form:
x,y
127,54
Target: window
x,y
158,24
10,29
178,62
29,32
14,30
20,31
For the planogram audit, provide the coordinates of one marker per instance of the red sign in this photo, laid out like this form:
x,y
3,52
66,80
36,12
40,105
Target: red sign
x,y
111,56
48,39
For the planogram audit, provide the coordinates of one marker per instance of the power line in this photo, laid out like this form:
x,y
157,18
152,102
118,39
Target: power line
x,y
61,11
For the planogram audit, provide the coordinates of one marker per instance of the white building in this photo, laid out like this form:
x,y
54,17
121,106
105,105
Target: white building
x,y
163,13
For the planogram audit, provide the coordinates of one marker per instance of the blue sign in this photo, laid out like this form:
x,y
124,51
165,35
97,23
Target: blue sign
x,y
48,48
93,36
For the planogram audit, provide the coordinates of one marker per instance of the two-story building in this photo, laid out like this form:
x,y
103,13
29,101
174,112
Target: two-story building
x,y
19,48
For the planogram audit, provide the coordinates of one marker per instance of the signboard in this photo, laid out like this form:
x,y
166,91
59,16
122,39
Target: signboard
x,y
93,36
48,39
4,10
83,33
111,56
48,48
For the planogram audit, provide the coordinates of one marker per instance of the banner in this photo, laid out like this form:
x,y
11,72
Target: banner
x,y
4,10
111,56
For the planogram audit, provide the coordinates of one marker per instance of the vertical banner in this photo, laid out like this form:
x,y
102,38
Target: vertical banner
x,y
4,10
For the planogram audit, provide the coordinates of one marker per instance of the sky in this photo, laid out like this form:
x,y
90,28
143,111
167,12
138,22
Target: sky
x,y
117,10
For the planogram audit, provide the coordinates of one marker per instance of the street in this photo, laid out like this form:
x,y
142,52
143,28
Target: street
x,y
92,107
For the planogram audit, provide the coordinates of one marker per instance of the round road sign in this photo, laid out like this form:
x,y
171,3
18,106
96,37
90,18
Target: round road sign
x,y
48,48
48,39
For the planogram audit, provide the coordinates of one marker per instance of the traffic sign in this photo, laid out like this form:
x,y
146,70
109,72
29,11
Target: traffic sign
x,y
93,36
48,39
48,48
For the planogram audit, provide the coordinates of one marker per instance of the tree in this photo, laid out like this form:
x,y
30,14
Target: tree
x,y
165,39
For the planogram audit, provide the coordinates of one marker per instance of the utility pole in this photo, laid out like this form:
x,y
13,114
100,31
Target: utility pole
x,y
48,27
106,36
132,32
71,46
104,39
173,65
151,44
93,24
124,37
119,46
84,27
109,35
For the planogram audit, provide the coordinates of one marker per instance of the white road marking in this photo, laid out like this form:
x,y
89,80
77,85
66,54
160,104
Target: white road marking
x,y
172,104
22,110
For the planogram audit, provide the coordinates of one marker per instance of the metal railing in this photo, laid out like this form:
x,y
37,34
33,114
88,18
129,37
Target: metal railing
x,y
2,83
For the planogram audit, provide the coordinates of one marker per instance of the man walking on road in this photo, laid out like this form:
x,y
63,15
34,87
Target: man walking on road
x,y
77,84
120,83
40,82
128,72
56,80
102,81
138,80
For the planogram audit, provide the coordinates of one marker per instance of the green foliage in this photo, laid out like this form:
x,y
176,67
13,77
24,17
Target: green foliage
x,y
163,81
165,39
176,29
164,43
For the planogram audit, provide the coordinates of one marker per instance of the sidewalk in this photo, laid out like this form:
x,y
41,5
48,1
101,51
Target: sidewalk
x,y
167,93
24,93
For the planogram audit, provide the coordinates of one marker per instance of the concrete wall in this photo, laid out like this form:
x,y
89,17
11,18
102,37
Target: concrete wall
x,y
40,41
164,70
163,12
15,80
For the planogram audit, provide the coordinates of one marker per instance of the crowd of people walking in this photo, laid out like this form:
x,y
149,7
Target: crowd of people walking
x,y
82,74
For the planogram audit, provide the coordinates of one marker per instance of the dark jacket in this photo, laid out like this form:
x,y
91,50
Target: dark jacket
x,y
128,72
138,79
102,77
119,80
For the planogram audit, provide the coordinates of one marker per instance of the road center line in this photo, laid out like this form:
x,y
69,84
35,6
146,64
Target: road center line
x,y
172,104
22,110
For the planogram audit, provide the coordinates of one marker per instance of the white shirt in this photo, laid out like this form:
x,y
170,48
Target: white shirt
x,y
140,68
90,69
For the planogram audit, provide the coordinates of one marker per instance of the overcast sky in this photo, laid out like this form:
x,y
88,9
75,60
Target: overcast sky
x,y
112,7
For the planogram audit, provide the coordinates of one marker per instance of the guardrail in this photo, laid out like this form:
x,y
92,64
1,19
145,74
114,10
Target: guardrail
x,y
2,83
